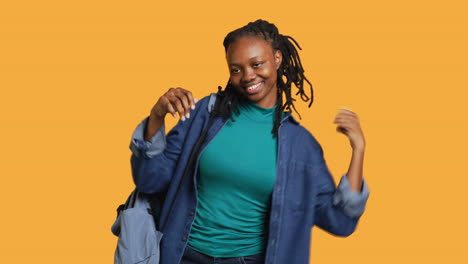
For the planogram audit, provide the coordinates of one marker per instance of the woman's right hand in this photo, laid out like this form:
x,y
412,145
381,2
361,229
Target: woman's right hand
x,y
175,100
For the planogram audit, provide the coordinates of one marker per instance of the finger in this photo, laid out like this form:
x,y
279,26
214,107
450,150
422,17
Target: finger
x,y
185,104
349,125
347,114
344,111
191,99
187,100
170,109
177,104
345,108
344,117
345,120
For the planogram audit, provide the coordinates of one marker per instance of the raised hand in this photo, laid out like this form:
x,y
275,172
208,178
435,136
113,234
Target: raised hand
x,y
175,100
348,124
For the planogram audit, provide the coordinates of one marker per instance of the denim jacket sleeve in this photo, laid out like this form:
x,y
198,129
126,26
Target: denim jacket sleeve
x,y
147,149
352,202
153,162
338,208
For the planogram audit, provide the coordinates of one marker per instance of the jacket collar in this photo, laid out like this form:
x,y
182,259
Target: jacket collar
x,y
288,116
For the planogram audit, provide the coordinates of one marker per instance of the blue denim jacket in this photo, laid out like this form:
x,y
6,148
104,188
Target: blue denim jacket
x,y
304,193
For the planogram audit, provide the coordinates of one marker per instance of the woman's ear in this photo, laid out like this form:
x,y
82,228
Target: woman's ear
x,y
278,58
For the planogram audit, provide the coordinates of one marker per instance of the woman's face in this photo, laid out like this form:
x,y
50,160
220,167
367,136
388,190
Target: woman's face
x,y
252,65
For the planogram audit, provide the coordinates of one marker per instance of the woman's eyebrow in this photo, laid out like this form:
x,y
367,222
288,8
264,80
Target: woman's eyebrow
x,y
250,59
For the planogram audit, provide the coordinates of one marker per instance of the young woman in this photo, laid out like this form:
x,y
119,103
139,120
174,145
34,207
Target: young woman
x,y
260,182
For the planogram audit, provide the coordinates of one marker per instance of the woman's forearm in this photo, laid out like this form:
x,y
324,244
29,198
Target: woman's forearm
x,y
355,169
153,125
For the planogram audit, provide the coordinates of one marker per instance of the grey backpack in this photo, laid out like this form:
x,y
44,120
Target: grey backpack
x,y
138,237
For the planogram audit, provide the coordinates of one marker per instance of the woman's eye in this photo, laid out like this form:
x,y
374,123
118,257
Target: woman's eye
x,y
235,70
256,65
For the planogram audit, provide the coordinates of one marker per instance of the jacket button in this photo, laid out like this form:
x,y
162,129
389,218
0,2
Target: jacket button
x,y
184,238
192,213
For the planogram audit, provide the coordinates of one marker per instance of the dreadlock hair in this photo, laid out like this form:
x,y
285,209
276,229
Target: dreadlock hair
x,y
289,72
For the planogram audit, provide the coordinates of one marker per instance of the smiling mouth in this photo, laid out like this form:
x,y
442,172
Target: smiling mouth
x,y
254,88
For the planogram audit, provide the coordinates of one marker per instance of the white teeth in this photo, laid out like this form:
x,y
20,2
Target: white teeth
x,y
250,88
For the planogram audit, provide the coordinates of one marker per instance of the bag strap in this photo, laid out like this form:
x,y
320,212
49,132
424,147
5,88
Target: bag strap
x,y
130,203
213,106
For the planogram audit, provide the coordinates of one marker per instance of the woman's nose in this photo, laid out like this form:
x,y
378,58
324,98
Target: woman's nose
x,y
248,75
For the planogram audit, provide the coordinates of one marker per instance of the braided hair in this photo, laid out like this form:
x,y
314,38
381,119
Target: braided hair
x,y
289,72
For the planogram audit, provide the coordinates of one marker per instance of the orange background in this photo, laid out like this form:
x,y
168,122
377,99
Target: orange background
x,y
77,76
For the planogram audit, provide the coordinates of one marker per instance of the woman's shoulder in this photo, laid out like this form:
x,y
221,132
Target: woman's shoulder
x,y
302,138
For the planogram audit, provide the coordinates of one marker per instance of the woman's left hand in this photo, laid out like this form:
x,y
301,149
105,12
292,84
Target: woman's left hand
x,y
348,124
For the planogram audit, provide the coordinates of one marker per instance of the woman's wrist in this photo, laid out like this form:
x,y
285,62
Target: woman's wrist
x,y
359,150
152,126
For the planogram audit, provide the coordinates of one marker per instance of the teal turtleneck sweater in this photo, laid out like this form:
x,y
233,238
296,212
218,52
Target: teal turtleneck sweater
x,y
237,175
